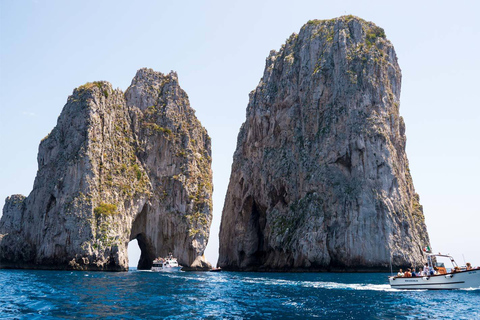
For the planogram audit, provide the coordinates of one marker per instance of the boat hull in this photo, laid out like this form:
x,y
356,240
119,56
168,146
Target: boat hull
x,y
461,280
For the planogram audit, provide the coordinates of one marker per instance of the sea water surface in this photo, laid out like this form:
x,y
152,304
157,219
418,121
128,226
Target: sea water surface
x,y
37,294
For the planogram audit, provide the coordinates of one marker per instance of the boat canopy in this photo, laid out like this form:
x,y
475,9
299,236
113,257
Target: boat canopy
x,y
435,260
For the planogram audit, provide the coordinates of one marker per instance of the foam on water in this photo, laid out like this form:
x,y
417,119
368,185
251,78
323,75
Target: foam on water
x,y
351,286
322,284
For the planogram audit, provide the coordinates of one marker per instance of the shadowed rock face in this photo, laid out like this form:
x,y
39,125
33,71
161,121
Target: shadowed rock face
x,y
117,167
320,178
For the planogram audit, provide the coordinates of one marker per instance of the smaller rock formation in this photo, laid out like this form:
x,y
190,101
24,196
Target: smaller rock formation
x,y
116,167
320,178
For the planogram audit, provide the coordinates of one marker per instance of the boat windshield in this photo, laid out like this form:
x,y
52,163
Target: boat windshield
x,y
441,262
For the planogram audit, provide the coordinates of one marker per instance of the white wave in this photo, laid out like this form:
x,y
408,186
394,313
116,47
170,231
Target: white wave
x,y
270,281
469,289
322,284
349,286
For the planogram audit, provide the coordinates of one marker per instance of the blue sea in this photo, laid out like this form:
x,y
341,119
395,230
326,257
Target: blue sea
x,y
37,294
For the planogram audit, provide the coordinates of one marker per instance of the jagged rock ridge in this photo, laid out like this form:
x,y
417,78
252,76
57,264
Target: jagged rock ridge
x,y
320,178
116,167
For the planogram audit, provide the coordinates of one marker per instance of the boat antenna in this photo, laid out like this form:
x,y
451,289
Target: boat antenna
x,y
464,259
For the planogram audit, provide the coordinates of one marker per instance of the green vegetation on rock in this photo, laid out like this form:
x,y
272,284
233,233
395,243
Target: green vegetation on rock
x,y
372,34
90,85
156,128
105,209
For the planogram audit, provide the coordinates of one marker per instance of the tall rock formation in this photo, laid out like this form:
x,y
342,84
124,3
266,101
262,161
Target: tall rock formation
x,y
117,167
320,178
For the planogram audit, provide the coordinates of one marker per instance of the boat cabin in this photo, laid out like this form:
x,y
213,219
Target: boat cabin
x,y
441,263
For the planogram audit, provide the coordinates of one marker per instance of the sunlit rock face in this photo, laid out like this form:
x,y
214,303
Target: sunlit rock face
x,y
116,167
320,177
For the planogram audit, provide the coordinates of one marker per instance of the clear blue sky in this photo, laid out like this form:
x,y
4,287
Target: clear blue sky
x,y
218,48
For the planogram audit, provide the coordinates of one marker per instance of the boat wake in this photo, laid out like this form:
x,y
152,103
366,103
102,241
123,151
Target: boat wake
x,y
470,289
323,284
350,286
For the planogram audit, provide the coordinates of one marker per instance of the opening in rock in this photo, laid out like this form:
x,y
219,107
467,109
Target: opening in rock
x,y
258,220
255,252
147,250
147,254
133,253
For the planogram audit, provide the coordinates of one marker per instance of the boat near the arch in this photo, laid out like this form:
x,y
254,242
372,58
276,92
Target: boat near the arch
x,y
168,264
444,277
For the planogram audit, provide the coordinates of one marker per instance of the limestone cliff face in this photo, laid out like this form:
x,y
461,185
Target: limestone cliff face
x,y
320,177
116,167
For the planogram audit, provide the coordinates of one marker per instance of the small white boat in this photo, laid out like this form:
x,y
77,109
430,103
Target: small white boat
x,y
169,264
443,278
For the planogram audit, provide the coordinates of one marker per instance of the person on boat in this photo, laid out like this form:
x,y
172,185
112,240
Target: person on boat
x,y
408,273
469,266
426,271
414,274
400,273
430,270
421,273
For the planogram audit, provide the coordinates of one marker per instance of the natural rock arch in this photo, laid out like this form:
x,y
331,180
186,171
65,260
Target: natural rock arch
x,y
117,166
138,232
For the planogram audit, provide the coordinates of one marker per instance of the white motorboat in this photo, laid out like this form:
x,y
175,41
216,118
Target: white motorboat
x,y
168,264
453,277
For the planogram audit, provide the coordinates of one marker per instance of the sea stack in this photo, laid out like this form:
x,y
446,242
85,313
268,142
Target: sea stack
x,y
320,178
117,167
